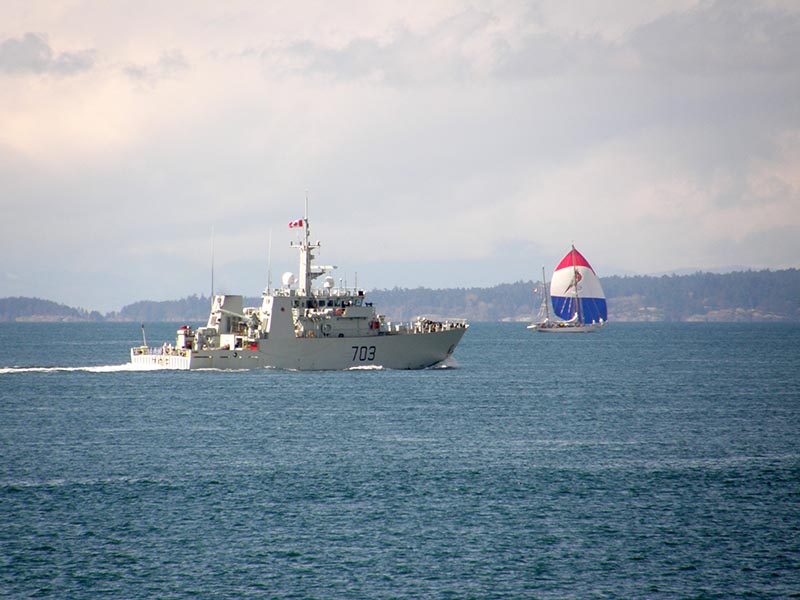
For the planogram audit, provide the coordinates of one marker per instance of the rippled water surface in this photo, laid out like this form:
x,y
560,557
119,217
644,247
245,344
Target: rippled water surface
x,y
645,461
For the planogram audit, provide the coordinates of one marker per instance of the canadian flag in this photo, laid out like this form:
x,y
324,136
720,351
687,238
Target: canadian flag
x,y
297,223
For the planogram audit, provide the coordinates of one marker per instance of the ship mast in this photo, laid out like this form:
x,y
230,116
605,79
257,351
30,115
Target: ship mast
x,y
306,255
307,271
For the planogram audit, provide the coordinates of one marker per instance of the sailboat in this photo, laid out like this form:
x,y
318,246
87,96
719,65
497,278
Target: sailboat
x,y
576,298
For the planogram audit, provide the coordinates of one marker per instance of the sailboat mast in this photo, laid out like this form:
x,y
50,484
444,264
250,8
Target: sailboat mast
x,y
578,308
546,295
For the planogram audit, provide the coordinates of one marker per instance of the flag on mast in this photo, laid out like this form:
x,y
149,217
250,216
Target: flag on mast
x,y
297,223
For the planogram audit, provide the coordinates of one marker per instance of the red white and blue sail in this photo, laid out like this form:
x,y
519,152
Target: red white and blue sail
x,y
575,290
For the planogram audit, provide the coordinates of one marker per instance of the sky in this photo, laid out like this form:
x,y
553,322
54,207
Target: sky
x,y
439,144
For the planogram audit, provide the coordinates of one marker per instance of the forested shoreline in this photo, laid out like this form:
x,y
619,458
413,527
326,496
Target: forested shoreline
x,y
740,296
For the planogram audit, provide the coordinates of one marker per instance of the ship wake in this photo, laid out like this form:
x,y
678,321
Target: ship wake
x,y
87,369
448,363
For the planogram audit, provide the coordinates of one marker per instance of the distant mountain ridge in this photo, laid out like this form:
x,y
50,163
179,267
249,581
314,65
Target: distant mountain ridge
x,y
741,296
20,308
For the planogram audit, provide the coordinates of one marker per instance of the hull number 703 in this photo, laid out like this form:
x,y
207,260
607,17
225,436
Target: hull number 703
x,y
363,352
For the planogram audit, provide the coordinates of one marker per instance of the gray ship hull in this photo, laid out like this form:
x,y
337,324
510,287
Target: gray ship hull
x,y
407,351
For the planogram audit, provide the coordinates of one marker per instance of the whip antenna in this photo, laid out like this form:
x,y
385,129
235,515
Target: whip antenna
x,y
269,264
212,264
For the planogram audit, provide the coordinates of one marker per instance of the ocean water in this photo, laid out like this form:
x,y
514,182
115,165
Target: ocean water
x,y
645,461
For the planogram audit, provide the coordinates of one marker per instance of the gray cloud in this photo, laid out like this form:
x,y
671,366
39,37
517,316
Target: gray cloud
x,y
170,65
727,39
548,55
726,75
403,58
736,36
32,54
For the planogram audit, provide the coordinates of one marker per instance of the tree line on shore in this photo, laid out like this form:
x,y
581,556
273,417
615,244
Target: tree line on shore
x,y
740,296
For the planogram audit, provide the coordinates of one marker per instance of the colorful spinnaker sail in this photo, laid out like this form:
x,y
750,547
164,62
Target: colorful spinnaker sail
x,y
575,291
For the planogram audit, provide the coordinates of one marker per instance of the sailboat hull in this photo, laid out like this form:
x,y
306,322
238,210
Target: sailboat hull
x,y
566,328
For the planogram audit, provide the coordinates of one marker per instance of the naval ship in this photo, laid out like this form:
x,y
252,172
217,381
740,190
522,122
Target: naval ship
x,y
302,327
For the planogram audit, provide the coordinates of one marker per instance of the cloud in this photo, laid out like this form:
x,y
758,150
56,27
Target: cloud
x,y
32,54
546,54
723,81
722,38
170,64
452,50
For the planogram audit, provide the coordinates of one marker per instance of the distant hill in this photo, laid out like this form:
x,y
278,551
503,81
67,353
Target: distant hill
x,y
741,296
190,309
36,309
